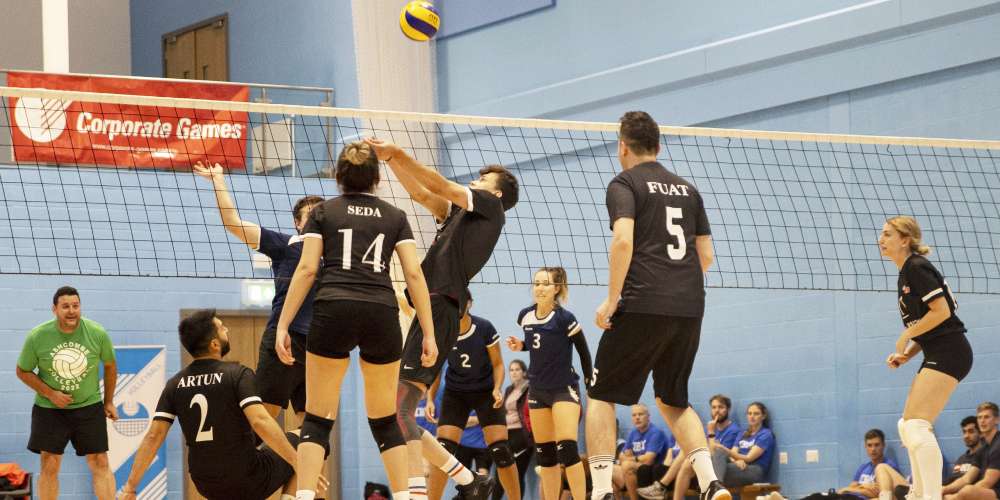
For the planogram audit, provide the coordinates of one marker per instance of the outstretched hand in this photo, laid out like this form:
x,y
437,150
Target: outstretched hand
x,y
209,172
383,150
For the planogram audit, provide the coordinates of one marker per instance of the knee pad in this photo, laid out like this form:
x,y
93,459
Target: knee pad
x,y
916,432
902,431
316,429
501,453
386,432
547,455
568,453
449,445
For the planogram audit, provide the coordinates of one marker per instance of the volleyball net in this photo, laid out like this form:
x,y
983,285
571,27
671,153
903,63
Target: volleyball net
x,y
101,184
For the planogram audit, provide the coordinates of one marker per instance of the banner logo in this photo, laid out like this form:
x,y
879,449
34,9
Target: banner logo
x,y
127,135
41,120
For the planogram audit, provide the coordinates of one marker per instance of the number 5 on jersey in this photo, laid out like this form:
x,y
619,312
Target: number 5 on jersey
x,y
676,252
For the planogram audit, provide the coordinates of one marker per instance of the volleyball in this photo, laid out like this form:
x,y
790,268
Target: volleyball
x,y
419,20
69,363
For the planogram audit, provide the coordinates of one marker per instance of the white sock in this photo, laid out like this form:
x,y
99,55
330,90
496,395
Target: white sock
x,y
401,495
418,488
916,489
884,495
701,462
458,472
601,467
305,495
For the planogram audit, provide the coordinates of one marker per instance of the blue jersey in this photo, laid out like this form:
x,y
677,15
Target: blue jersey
x,y
729,436
763,439
653,440
547,340
866,473
285,251
473,437
469,366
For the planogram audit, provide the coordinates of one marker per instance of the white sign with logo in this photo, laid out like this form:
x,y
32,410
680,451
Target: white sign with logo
x,y
142,374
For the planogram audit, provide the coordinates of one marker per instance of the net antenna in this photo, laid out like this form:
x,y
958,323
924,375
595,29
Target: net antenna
x,y
788,210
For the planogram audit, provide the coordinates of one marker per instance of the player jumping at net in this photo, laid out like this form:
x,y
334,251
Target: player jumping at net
x,y
550,334
220,410
928,309
471,220
356,234
660,249
474,381
279,383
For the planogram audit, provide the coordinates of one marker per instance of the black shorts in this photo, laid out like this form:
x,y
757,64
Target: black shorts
x,y
267,473
474,458
340,326
456,405
539,399
277,382
950,354
639,343
446,317
646,474
86,427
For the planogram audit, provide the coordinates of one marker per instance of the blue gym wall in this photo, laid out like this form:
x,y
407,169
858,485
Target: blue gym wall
x,y
893,67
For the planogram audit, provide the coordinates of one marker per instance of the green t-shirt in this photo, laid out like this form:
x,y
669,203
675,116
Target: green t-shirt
x,y
68,362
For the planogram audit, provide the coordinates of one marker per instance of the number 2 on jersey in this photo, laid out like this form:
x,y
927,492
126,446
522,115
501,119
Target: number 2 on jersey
x,y
465,361
676,252
375,249
207,434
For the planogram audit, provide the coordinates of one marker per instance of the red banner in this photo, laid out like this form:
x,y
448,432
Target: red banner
x,y
126,136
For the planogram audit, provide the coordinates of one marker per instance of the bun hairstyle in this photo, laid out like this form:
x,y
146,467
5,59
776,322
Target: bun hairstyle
x,y
357,168
558,277
908,227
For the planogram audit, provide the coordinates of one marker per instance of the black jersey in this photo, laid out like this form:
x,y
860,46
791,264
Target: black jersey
x,y
208,396
464,243
360,232
920,283
550,348
469,366
965,462
665,276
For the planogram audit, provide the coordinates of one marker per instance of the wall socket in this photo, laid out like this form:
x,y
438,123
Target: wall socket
x,y
812,456
783,458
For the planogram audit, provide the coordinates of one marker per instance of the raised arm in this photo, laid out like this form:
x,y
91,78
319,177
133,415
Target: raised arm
x,y
247,232
425,185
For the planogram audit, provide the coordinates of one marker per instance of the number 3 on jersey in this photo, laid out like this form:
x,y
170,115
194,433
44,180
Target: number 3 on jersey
x,y
375,249
675,252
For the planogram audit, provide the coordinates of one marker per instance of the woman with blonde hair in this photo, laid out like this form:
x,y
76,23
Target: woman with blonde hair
x,y
356,233
927,307
550,334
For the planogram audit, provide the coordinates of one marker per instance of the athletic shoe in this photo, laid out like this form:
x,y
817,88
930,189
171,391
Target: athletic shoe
x,y
481,488
716,491
654,491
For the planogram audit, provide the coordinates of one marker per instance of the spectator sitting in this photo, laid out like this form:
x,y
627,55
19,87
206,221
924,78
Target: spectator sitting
x,y
966,469
646,446
988,485
865,483
723,434
749,460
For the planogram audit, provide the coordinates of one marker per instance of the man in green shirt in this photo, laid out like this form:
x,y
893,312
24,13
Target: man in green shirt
x,y
59,362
